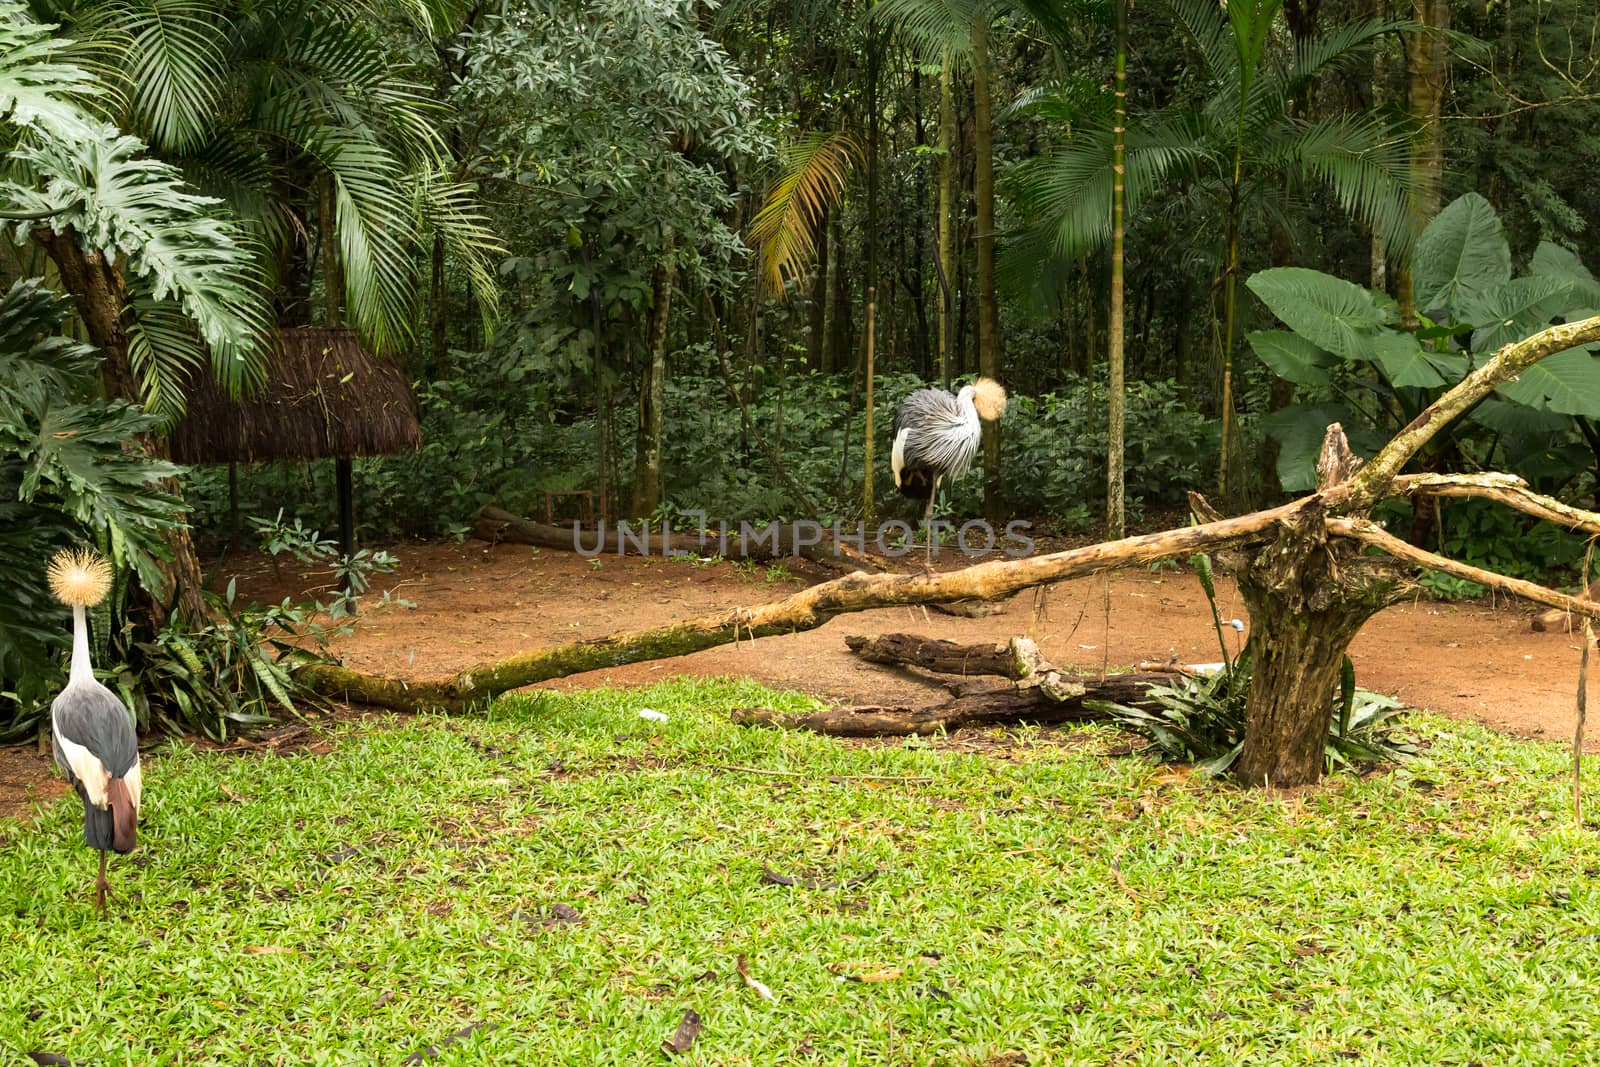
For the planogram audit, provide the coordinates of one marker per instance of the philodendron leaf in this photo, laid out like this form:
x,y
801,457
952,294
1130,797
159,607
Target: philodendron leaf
x,y
1406,362
1567,382
1331,313
1517,309
1299,430
1292,357
1553,261
1463,251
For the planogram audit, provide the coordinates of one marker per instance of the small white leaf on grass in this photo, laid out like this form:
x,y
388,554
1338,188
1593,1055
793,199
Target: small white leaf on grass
x,y
652,714
761,990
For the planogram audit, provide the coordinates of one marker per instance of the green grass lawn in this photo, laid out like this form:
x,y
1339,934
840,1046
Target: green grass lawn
x,y
576,878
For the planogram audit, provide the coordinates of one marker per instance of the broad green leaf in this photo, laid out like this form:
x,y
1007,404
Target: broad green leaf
x,y
1462,251
1516,420
1553,261
1567,382
1514,310
1292,357
1330,312
1299,430
1405,362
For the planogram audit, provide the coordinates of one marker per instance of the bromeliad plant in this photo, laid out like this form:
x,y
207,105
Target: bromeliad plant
x,y
1200,719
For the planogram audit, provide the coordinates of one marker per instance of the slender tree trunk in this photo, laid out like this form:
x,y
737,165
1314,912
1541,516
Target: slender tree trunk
x,y
438,348
1230,306
947,181
647,454
1428,64
101,299
874,134
988,302
1114,333
841,332
817,343
332,278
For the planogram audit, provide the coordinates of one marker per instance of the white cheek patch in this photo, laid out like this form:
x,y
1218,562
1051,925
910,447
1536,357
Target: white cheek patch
x,y
897,457
88,769
135,783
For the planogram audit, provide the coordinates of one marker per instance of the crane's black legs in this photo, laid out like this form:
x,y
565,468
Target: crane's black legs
x,y
101,887
927,517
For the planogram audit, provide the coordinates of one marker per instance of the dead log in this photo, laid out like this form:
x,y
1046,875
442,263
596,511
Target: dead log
x,y
1015,659
1007,706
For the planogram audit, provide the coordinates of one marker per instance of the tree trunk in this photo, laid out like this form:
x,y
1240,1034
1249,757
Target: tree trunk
x,y
947,180
988,302
837,352
1427,65
438,348
816,344
1307,600
101,297
647,454
1114,334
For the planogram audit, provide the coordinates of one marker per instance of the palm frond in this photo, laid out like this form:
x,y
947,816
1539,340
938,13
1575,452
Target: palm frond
x,y
815,168
1069,190
164,351
449,210
1204,24
1069,101
1363,160
174,70
933,29
376,231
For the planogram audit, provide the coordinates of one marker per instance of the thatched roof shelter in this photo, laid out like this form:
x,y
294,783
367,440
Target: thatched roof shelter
x,y
326,398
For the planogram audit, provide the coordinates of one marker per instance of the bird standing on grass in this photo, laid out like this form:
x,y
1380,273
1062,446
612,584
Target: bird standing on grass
x,y
95,745
936,436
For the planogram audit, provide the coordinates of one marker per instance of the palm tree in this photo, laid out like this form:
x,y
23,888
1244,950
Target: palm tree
x,y
1241,147
164,279
298,117
303,118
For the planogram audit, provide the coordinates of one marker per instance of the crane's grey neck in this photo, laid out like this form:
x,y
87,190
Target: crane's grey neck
x,y
969,410
82,672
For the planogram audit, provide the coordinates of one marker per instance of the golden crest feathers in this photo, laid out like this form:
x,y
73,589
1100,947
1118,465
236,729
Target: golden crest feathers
x,y
989,397
79,577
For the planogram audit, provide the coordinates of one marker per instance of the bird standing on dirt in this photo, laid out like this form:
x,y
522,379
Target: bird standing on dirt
x,y
95,744
936,436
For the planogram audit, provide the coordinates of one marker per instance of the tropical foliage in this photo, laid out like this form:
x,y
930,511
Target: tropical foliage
x,y
1355,363
65,477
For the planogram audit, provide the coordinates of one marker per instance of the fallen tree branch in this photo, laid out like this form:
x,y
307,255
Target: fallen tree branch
x,y
1506,489
998,707
804,610
1369,532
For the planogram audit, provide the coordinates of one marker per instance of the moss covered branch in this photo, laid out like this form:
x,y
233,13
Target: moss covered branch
x,y
1374,481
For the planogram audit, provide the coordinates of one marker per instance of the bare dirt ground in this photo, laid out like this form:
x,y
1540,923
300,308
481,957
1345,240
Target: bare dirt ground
x,y
474,602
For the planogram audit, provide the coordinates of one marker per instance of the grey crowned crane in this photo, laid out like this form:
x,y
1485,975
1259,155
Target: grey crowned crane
x,y
936,437
95,744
